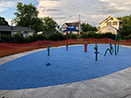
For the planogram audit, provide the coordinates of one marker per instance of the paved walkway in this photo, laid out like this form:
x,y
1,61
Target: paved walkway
x,y
116,85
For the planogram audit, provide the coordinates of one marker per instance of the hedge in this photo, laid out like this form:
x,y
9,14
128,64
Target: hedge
x,y
17,38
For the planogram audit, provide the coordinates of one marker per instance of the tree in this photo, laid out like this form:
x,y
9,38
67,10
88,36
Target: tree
x,y
3,21
37,24
84,27
87,27
49,24
126,26
27,16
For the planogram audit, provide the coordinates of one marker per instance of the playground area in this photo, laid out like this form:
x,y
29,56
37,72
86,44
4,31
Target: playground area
x,y
13,48
40,70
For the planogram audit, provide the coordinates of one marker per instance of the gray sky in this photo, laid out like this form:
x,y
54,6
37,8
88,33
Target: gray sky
x,y
91,11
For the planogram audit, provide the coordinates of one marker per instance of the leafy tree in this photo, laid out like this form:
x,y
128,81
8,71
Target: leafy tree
x,y
27,16
37,24
3,21
84,27
87,27
126,26
49,24
94,29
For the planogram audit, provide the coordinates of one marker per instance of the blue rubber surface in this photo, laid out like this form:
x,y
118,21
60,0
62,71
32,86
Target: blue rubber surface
x,y
75,65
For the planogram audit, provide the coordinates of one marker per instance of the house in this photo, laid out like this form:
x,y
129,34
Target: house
x,y
9,30
110,24
73,27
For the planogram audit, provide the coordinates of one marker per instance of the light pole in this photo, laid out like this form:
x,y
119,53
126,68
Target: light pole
x,y
67,39
79,26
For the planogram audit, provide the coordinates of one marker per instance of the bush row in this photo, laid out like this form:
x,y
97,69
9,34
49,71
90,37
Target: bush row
x,y
94,35
17,38
54,37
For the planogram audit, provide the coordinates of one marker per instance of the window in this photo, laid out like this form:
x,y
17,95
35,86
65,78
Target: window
x,y
109,24
111,18
115,23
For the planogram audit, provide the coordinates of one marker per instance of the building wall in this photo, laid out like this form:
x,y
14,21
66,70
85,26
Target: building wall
x,y
24,34
73,32
112,22
108,29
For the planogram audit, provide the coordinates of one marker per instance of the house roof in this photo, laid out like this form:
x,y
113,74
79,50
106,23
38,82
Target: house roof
x,y
108,18
15,29
71,26
72,23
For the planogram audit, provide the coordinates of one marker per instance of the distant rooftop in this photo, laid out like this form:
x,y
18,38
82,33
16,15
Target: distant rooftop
x,y
15,29
72,23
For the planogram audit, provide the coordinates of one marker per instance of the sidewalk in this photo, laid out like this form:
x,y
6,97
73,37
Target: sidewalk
x,y
116,85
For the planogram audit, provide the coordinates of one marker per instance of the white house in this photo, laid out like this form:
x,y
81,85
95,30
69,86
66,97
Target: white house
x,y
9,30
110,24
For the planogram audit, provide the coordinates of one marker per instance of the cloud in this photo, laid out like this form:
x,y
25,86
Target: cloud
x,y
117,6
50,10
91,11
9,21
5,5
49,0
59,17
2,9
66,10
13,0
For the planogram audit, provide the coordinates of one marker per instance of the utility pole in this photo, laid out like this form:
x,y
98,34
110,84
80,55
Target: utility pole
x,y
79,25
67,39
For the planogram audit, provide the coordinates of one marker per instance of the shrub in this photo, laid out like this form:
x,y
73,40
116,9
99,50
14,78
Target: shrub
x,y
57,37
99,36
109,35
6,39
92,34
42,37
128,37
36,37
17,38
84,35
73,36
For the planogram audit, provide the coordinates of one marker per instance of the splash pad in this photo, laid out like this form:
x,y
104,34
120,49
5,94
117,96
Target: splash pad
x,y
75,65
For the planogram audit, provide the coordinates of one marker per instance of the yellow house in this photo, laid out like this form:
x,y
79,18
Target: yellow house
x,y
110,24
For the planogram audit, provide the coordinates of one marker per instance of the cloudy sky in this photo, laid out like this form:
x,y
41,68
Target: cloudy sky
x,y
91,11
